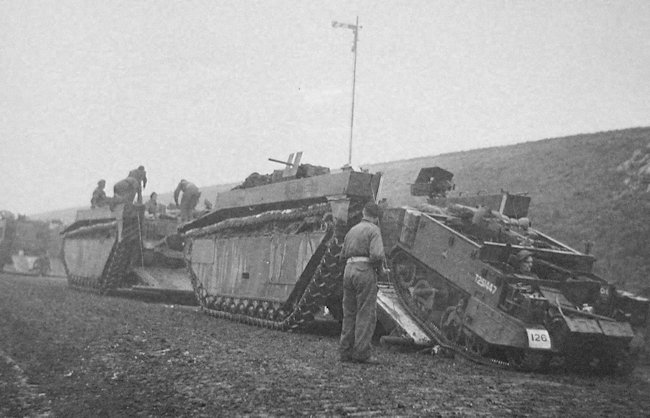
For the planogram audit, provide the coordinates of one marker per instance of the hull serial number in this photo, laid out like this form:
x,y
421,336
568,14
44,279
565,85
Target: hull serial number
x,y
539,338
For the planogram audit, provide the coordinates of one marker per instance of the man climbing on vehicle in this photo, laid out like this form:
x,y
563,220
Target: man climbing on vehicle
x,y
189,200
141,175
126,190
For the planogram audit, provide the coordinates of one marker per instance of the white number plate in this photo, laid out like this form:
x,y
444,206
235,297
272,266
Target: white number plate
x,y
539,338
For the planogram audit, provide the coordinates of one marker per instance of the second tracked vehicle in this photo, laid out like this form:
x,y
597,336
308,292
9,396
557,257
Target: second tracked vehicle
x,y
269,255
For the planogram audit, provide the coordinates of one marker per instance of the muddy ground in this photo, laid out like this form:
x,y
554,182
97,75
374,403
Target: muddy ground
x,y
65,353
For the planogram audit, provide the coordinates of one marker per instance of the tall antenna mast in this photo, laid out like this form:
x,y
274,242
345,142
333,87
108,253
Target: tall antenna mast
x,y
355,29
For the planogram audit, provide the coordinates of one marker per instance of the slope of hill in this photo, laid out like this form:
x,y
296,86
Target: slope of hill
x,y
577,193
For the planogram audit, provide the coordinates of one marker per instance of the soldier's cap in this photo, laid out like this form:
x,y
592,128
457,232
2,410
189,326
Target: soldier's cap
x,y
100,182
371,209
141,168
523,254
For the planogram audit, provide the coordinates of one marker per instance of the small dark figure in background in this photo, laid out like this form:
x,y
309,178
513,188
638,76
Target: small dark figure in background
x,y
151,207
99,195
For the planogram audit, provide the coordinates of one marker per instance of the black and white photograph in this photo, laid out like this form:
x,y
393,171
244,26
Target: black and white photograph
x,y
284,208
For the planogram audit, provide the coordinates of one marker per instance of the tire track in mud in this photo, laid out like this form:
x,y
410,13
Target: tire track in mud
x,y
25,396
105,356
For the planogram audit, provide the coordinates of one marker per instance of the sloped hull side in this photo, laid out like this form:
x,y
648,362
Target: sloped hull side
x,y
255,267
86,257
98,257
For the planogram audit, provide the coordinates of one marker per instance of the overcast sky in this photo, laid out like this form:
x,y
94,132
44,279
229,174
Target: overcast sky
x,y
208,90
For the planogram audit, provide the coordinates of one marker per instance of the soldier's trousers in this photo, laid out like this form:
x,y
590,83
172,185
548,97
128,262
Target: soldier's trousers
x,y
359,311
188,203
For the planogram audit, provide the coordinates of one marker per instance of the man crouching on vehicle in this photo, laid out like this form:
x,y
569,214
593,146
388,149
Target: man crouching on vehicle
x,y
364,251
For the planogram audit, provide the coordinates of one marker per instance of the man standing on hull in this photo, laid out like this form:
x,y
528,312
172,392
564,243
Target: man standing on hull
x,y
126,190
139,174
364,251
99,195
189,200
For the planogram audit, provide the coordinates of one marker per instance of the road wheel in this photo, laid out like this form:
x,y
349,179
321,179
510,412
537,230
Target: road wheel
x,y
476,345
451,326
527,360
615,361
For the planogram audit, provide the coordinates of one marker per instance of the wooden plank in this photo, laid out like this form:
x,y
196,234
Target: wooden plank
x,y
389,302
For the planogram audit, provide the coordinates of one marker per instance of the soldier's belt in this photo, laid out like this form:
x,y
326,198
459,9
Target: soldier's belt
x,y
358,260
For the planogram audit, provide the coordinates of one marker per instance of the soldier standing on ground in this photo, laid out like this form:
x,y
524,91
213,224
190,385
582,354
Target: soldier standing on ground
x,y
189,200
364,251
99,195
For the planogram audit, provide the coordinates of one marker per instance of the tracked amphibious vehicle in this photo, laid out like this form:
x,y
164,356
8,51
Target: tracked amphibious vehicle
x,y
115,251
27,246
454,282
269,254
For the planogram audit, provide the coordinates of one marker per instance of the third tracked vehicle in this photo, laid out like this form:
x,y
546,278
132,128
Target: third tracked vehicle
x,y
457,277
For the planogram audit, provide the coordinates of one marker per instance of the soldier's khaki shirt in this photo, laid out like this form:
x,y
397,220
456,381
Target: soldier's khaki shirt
x,y
364,240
